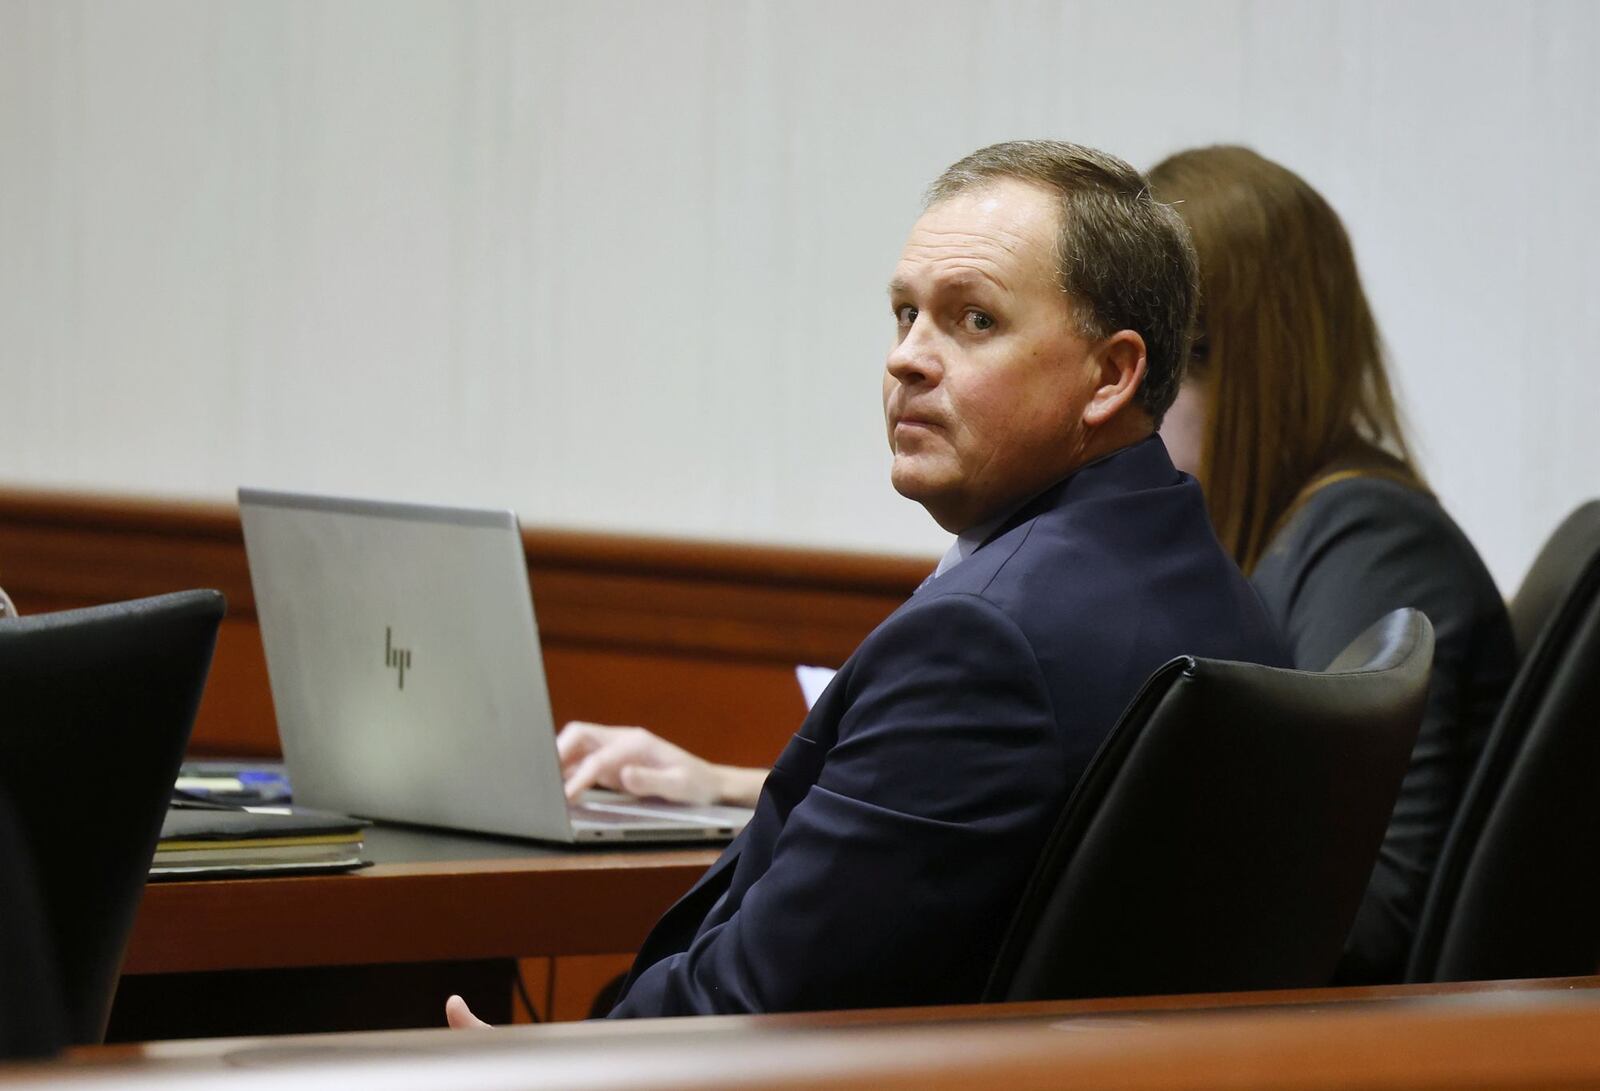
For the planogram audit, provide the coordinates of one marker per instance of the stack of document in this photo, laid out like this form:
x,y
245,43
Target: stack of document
x,y
202,842
234,781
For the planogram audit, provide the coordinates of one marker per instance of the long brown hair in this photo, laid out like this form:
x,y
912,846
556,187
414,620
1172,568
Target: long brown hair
x,y
1298,390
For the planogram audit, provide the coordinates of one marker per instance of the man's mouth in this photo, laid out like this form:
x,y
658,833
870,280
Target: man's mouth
x,y
915,420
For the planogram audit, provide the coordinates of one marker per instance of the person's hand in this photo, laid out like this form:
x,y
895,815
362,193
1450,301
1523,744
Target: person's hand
x,y
460,1017
633,760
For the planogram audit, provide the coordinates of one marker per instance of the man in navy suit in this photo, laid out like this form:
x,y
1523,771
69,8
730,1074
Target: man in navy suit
x,y
1042,307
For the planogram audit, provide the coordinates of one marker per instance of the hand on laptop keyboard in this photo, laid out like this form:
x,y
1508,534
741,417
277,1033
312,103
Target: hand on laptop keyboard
x,y
636,761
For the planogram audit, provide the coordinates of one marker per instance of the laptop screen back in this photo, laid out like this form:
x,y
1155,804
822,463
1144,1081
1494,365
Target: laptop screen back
x,y
404,661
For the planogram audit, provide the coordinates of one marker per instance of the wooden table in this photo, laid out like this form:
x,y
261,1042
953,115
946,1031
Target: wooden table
x,y
429,897
1520,1035
381,947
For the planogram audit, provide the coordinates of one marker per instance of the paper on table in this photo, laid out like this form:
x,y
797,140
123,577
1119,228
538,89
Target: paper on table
x,y
813,680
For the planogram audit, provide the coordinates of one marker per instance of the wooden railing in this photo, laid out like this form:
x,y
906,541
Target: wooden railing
x,y
694,639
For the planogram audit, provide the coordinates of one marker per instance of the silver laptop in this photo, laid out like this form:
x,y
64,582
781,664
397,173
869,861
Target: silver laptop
x,y
405,668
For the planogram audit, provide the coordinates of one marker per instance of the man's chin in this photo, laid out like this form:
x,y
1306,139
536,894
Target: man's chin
x,y
913,485
938,498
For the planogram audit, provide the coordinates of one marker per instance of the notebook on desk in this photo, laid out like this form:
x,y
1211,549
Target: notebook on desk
x,y
404,661
200,840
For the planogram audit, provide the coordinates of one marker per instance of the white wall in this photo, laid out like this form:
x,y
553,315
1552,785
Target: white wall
x,y
620,265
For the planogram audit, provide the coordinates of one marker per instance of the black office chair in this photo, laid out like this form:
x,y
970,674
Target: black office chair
x,y
1517,889
1224,833
1554,574
31,1016
96,706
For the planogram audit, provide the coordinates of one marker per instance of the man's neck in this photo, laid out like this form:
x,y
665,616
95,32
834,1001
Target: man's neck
x,y
1121,431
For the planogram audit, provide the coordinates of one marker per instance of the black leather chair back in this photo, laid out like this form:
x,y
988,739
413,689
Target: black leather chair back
x,y
96,706
1555,573
1517,889
1223,836
32,1022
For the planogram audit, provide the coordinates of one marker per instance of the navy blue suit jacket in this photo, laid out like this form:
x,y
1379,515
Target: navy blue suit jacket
x,y
898,827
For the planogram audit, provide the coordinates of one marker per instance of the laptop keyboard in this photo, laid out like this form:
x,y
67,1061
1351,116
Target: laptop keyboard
x,y
596,816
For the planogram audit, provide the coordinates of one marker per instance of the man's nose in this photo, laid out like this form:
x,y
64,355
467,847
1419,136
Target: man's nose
x,y
915,360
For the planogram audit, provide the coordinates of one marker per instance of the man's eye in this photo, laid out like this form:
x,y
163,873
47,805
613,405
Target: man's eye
x,y
977,321
905,315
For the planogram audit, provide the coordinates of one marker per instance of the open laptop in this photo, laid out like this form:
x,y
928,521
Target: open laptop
x,y
405,669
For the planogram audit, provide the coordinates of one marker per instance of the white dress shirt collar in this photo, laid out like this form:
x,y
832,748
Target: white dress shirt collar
x,y
967,543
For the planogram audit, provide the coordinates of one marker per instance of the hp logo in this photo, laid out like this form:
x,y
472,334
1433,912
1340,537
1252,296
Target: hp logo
x,y
398,658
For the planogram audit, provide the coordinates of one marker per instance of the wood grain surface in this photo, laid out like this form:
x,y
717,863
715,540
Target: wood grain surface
x,y
1510,1037
572,903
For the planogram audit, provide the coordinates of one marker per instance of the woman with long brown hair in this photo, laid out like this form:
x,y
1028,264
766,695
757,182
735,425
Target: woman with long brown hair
x,y
1288,419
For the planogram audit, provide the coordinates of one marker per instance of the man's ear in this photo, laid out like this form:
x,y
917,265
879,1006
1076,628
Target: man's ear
x,y
1120,365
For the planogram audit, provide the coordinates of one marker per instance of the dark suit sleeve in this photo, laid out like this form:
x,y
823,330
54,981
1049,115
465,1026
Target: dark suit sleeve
x,y
913,844
1359,553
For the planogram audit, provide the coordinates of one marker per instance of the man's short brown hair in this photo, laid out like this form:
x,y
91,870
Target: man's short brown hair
x,y
1125,261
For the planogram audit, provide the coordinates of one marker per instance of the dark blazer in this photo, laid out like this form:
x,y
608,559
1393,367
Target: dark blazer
x,y
898,827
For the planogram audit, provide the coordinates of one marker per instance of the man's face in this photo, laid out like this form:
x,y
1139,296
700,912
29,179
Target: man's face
x,y
985,388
